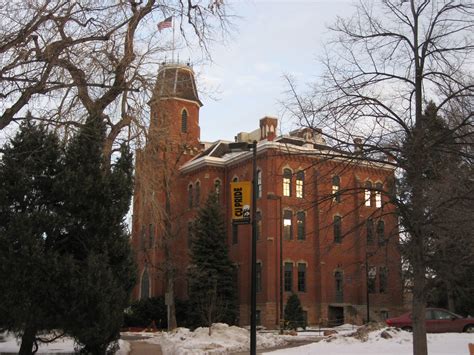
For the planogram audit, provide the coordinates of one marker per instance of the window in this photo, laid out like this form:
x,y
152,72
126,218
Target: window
x,y
370,231
337,229
336,182
339,283
145,285
288,276
217,188
235,179
190,232
439,314
235,234
259,183
197,194
259,224
378,195
301,277
300,225
151,236
184,121
300,184
258,317
383,279
381,232
259,277
368,193
287,182
143,238
190,196
287,230
384,315
371,277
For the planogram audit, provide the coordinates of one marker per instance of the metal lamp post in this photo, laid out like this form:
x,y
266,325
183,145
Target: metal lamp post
x,y
253,286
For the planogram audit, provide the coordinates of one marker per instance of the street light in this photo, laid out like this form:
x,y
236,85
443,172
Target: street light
x,y
271,196
253,286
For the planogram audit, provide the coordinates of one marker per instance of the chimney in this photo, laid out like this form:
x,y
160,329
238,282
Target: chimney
x,y
358,147
268,127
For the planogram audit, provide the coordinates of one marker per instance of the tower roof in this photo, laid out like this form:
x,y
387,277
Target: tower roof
x,y
175,80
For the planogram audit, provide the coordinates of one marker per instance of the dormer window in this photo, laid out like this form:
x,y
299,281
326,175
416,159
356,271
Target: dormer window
x,y
184,121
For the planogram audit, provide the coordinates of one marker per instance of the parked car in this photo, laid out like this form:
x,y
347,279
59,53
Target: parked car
x,y
437,321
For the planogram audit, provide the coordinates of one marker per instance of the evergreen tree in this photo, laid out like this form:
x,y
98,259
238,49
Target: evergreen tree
x,y
96,202
294,316
31,270
212,290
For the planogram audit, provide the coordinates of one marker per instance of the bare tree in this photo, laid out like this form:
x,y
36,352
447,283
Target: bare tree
x,y
382,67
64,61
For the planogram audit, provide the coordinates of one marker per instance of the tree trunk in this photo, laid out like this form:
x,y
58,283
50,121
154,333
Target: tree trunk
x,y
172,319
27,341
418,313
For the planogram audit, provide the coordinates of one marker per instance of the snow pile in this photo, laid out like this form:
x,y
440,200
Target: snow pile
x,y
224,339
376,340
65,345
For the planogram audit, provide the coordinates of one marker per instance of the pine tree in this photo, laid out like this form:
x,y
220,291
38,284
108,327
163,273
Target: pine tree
x,y
96,202
30,221
211,277
294,316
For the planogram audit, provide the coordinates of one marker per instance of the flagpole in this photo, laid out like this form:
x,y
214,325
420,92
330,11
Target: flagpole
x,y
172,49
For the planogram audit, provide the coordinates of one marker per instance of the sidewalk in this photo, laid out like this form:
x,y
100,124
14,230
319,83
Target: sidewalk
x,y
143,348
287,346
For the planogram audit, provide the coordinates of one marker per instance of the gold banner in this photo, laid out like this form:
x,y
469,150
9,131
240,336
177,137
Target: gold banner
x,y
241,195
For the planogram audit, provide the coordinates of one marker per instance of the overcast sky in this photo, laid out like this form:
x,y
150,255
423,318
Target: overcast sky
x,y
272,38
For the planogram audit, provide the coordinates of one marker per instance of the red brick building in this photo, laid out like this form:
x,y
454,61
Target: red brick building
x,y
323,218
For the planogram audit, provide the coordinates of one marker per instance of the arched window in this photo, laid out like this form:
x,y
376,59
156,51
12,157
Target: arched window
x,y
339,279
184,121
337,229
145,285
381,232
287,230
259,276
235,179
259,224
336,184
259,183
288,277
301,277
300,184
217,188
378,194
197,194
370,231
300,225
368,193
287,182
190,196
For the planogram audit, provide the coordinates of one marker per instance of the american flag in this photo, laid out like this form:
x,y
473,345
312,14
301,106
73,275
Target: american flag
x,y
166,23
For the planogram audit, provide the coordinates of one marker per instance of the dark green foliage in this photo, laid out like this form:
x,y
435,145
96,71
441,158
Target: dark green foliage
x,y
445,190
30,222
142,313
212,288
294,317
65,258
96,202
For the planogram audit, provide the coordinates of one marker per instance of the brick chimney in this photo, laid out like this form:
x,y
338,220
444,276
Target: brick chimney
x,y
268,127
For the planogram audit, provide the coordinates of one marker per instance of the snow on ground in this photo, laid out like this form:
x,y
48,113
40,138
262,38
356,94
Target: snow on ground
x,y
224,339
400,343
11,344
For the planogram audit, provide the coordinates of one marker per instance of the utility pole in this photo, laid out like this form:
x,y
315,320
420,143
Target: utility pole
x,y
253,288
